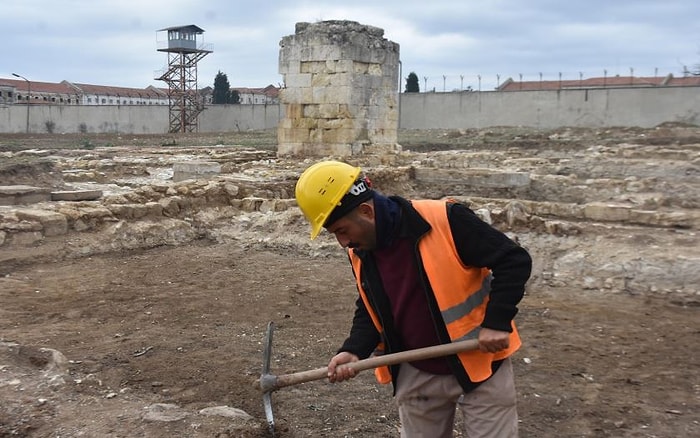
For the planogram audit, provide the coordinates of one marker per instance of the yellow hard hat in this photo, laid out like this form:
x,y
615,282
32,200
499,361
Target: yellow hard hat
x,y
320,189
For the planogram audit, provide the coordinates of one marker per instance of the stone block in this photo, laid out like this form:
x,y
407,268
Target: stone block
x,y
345,66
137,211
195,170
290,66
329,123
305,123
312,111
96,213
23,195
324,67
323,52
680,219
285,124
315,136
607,212
321,80
475,177
328,111
294,135
26,238
170,207
76,195
297,96
342,79
331,136
251,204
52,223
335,95
295,111
298,80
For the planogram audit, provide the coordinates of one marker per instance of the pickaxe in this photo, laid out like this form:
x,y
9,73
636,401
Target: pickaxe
x,y
269,382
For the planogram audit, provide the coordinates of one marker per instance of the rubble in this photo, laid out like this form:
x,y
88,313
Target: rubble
x,y
540,195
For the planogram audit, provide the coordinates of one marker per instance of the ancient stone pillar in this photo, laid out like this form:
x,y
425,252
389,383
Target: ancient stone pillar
x,y
340,92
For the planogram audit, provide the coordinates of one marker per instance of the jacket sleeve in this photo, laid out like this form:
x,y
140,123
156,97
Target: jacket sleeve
x,y
481,245
364,337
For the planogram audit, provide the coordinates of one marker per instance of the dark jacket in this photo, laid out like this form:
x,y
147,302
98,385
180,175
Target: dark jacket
x,y
478,244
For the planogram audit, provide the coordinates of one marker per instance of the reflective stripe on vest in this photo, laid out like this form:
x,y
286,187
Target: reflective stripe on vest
x,y
462,292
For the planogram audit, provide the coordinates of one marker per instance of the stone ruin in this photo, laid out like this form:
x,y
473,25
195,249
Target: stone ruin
x,y
340,94
614,211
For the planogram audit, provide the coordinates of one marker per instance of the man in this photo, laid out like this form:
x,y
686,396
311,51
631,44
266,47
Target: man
x,y
428,272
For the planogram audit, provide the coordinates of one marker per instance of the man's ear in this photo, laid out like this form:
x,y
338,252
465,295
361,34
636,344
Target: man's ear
x,y
366,209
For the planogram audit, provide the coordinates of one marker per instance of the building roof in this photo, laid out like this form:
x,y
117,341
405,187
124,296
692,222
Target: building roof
x,y
188,27
119,91
600,82
65,87
686,81
39,87
270,91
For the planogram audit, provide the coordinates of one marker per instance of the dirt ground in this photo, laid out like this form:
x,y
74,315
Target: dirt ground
x,y
174,330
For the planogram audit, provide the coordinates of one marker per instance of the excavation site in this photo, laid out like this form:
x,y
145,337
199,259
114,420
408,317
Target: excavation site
x,y
138,275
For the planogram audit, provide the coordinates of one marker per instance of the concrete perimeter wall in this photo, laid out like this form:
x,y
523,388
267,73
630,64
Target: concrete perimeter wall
x,y
641,107
84,118
226,118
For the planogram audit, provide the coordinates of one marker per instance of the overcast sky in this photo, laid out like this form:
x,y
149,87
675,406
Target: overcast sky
x,y
449,42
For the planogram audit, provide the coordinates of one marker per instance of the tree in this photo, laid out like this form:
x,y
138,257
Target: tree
x,y
222,90
234,97
412,83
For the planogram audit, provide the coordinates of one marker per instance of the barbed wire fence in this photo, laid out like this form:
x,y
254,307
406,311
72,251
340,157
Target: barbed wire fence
x,y
443,83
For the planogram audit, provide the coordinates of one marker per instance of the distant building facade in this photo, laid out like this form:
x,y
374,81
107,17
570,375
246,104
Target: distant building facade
x,y
105,95
16,91
258,96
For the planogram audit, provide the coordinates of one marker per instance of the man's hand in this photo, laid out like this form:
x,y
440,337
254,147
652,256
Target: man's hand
x,y
492,341
337,372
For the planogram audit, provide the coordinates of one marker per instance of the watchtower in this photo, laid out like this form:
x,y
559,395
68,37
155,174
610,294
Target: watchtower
x,y
184,102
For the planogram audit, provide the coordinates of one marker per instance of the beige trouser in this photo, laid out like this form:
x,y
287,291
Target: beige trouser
x,y
427,405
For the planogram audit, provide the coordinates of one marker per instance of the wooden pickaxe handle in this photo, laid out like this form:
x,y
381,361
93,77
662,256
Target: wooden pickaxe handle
x,y
271,382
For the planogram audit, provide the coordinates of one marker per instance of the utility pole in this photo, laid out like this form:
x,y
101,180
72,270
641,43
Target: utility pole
x,y
29,94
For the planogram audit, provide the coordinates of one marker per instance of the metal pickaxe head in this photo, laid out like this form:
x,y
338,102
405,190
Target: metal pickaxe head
x,y
269,382
267,396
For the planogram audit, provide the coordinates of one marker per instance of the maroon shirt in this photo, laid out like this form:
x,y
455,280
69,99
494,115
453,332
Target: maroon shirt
x,y
409,305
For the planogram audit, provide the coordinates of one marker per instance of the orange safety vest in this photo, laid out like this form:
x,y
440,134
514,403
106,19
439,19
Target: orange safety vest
x,y
462,292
